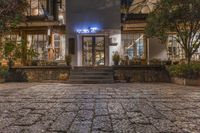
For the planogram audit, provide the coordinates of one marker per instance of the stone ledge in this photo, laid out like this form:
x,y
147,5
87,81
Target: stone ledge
x,y
141,73
183,81
42,67
139,66
38,73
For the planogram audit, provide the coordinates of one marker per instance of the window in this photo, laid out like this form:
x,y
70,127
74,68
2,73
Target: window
x,y
142,6
176,52
37,7
13,38
174,49
38,42
57,45
134,45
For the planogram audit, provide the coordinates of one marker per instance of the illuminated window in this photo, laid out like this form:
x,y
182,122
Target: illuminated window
x,y
134,45
59,46
38,42
142,6
176,52
174,49
37,7
13,38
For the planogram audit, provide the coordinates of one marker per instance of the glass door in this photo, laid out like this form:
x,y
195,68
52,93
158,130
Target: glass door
x,y
99,51
87,51
93,50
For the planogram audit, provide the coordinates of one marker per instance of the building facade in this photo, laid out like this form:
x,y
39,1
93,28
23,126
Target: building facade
x,y
92,31
44,29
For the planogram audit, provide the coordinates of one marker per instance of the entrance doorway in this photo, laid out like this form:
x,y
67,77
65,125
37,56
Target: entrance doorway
x,y
93,50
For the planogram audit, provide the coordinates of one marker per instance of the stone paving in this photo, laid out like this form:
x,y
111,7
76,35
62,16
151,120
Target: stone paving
x,y
104,108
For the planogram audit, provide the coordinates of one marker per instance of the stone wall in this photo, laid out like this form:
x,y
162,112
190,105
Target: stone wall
x,y
136,73
141,73
38,73
183,81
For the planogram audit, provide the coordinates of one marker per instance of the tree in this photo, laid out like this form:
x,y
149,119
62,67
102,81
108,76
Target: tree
x,y
180,17
11,13
125,6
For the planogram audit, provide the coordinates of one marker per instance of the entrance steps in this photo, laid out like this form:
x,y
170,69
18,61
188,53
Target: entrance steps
x,y
91,75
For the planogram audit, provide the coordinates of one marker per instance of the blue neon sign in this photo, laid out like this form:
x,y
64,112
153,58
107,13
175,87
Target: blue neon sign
x,y
88,30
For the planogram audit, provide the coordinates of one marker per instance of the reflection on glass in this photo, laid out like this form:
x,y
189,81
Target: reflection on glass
x,y
93,51
133,46
87,51
174,49
36,7
99,51
142,6
38,43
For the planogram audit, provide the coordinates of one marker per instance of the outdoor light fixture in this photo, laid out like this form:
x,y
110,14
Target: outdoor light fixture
x,y
88,30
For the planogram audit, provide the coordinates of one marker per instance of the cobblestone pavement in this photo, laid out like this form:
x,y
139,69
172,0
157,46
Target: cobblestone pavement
x,y
119,108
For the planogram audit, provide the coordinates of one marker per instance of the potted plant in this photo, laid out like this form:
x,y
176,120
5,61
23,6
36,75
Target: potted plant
x,y
31,54
68,59
116,58
8,52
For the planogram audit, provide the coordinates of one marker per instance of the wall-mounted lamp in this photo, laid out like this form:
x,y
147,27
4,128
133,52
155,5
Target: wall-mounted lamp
x,y
88,30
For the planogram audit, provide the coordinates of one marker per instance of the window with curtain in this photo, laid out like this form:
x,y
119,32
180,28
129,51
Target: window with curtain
x,y
38,42
174,49
134,45
37,7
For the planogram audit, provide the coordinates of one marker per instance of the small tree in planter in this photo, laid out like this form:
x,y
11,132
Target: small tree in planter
x,y
68,59
116,58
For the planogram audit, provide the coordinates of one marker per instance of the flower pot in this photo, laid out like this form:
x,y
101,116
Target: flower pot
x,y
2,80
68,64
116,63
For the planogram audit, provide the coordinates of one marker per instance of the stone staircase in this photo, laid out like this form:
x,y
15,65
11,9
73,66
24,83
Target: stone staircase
x,y
91,75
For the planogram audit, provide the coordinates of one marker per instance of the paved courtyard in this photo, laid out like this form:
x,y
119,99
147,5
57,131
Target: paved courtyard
x,y
104,108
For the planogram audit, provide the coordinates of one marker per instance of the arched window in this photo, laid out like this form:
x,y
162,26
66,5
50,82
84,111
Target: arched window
x,y
142,6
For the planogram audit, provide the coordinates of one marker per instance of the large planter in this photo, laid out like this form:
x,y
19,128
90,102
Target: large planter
x,y
2,80
184,81
38,73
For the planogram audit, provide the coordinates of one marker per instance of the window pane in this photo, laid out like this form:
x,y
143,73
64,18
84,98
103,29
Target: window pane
x,y
38,43
133,46
34,7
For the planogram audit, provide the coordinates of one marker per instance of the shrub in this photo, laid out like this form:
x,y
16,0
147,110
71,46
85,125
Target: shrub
x,y
191,71
116,58
155,62
68,59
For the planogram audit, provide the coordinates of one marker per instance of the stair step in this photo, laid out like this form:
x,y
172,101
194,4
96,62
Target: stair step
x,y
91,81
91,75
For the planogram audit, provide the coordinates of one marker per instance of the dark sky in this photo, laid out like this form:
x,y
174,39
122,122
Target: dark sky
x,y
104,14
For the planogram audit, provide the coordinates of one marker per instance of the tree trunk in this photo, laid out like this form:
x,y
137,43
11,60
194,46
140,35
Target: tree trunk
x,y
188,57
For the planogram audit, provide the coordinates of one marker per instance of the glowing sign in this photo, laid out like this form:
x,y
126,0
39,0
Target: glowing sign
x,y
88,30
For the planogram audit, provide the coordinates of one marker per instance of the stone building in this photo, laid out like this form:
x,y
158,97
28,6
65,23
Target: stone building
x,y
137,45
91,31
